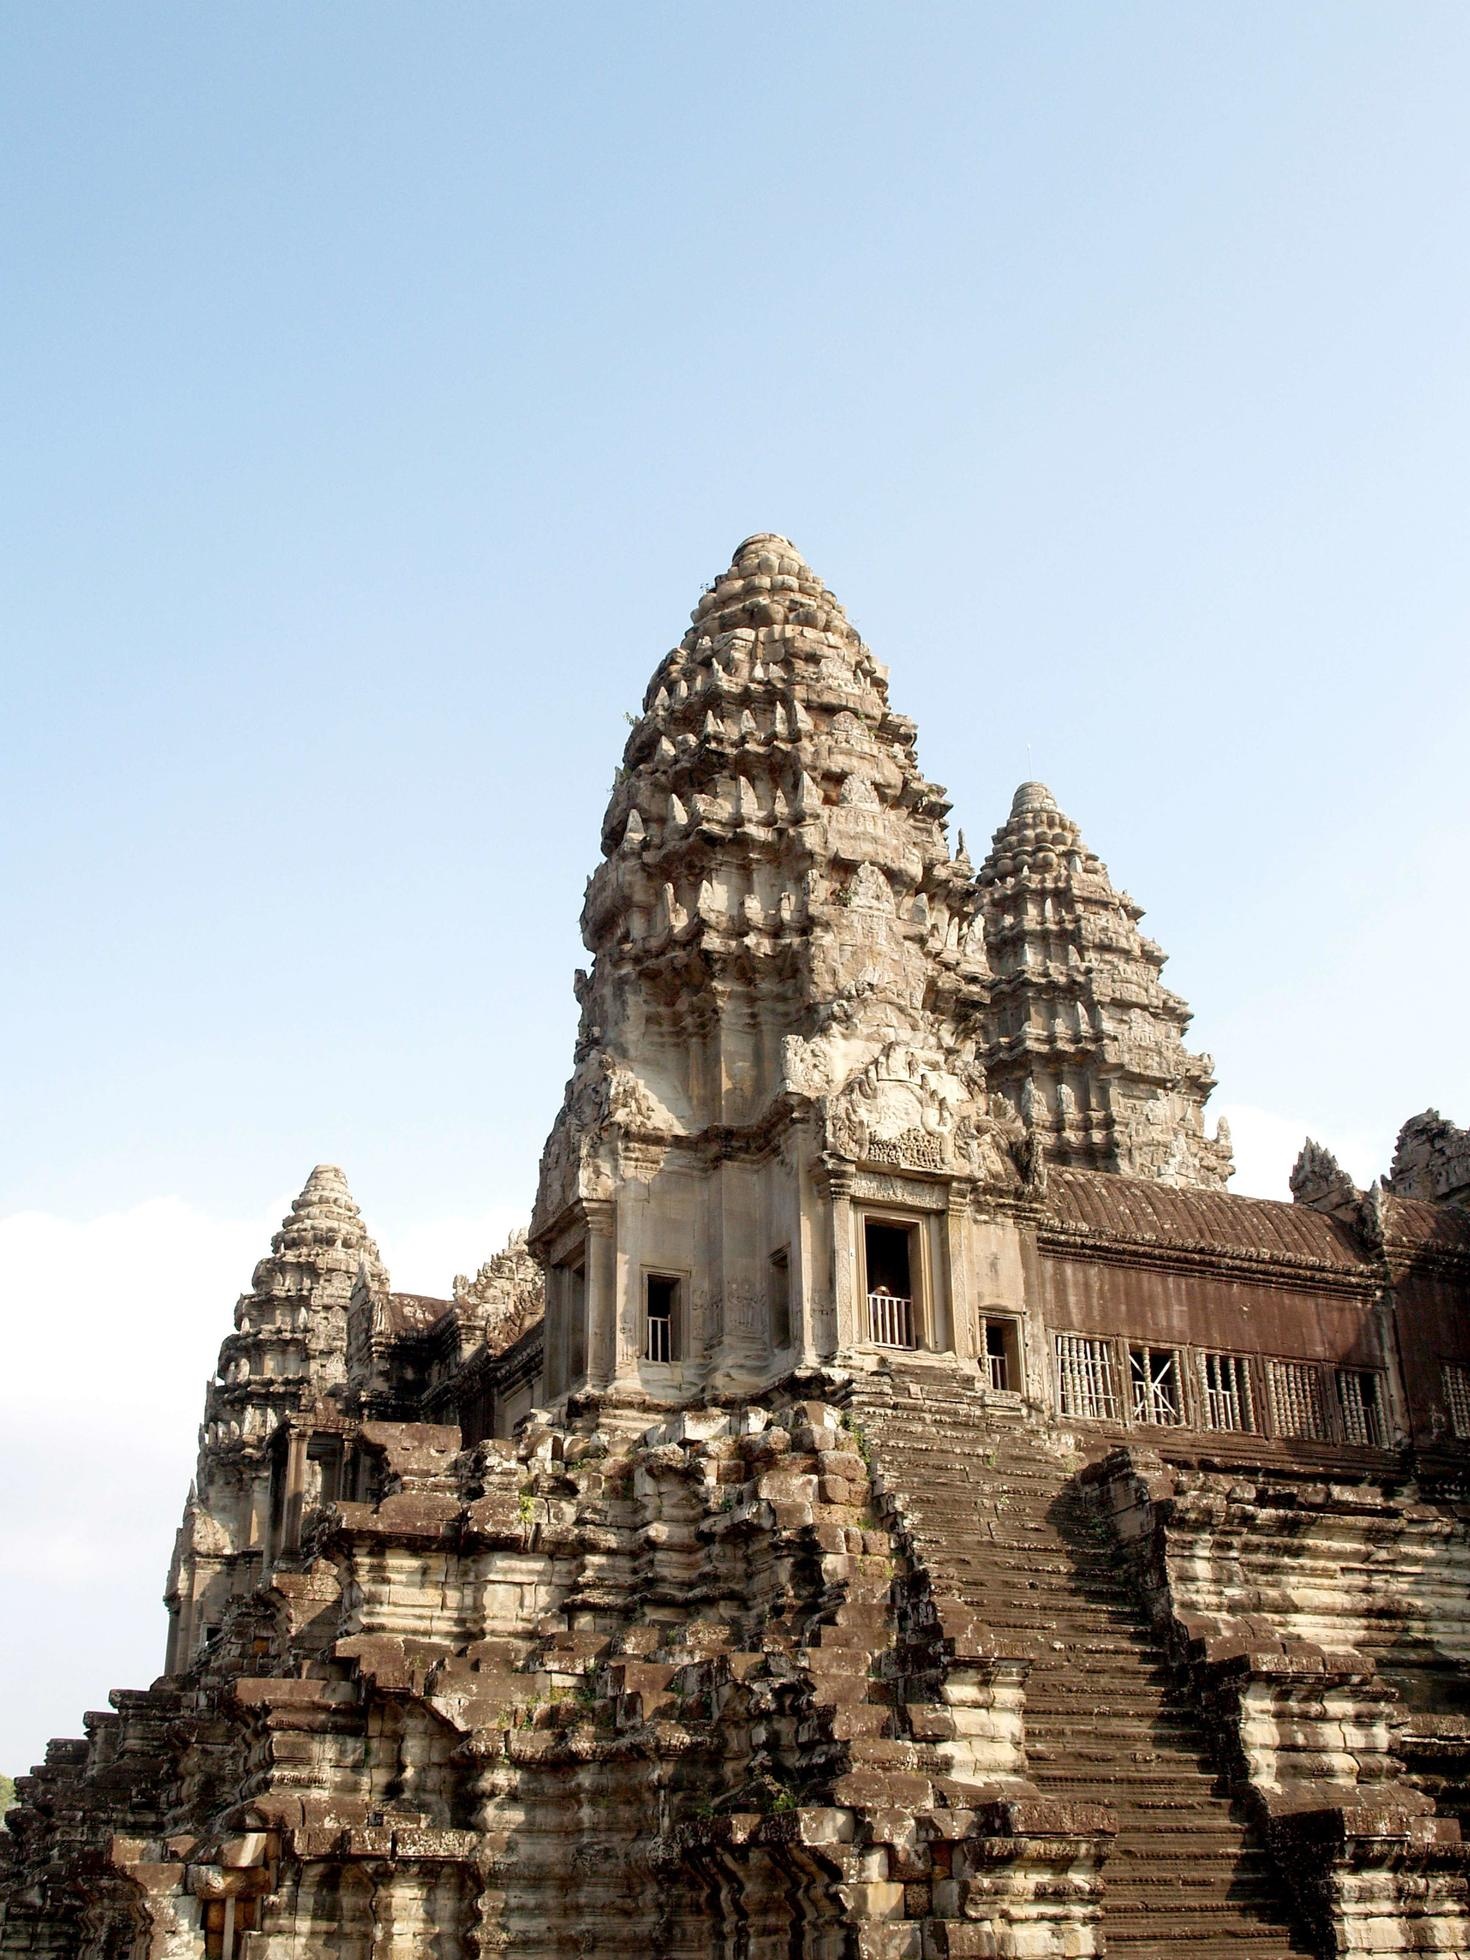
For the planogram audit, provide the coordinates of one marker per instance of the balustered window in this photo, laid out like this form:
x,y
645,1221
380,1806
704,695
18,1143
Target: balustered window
x,y
1156,1389
1298,1406
1360,1400
1457,1396
1226,1399
891,1267
1000,1354
1087,1380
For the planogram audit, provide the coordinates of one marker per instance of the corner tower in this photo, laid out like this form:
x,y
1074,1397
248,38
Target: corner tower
x,y
284,1360
1082,1032
781,1021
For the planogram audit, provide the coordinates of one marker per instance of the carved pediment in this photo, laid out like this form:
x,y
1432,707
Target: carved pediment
x,y
1319,1181
915,1108
505,1296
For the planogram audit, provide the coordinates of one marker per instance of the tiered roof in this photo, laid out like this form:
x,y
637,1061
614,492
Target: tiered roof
x,y
1081,1029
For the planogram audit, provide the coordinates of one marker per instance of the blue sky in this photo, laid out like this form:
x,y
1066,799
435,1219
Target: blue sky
x,y
380,385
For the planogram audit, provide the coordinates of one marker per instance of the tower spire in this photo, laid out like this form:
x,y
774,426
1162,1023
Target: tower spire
x,y
771,841
1078,1011
288,1352
784,952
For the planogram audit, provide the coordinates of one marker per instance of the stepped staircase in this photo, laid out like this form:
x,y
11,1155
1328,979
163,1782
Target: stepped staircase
x,y
996,1519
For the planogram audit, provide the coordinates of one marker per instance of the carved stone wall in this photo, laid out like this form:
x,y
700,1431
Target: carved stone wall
x,y
787,973
572,1695
680,1586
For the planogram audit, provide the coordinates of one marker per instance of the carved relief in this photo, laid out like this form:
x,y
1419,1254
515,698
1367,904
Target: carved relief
x,y
869,891
505,1296
910,1105
806,1065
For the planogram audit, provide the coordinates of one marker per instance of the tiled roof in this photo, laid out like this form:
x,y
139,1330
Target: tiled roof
x,y
1419,1222
1133,1208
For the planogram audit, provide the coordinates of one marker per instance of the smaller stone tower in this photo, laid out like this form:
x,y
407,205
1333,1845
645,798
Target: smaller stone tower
x,y
1084,1040
286,1356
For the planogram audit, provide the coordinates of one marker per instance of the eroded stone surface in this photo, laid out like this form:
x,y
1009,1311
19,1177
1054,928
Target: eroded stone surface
x,y
895,1503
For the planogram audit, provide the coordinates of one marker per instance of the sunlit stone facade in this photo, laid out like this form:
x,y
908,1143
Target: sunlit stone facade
x,y
893,1502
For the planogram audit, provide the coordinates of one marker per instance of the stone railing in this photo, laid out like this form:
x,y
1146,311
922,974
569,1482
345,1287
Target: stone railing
x,y
890,1320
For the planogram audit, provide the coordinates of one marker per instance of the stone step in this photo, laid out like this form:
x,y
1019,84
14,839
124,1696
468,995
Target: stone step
x,y
1038,1569
1133,1730
1046,1601
1069,1696
1084,1749
1241,1934
1074,1637
999,1526
1141,1801
1156,1946
1140,1866
1264,1943
1148,1831
1214,1819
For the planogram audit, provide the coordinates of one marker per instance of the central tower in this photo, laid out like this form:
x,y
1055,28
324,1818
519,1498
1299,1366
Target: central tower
x,y
768,1149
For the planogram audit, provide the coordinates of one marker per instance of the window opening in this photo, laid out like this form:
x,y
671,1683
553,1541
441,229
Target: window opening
x,y
1086,1384
224,1919
890,1266
1457,1395
660,1318
780,1297
1297,1407
323,1470
1153,1375
574,1297
1359,1401
1001,1351
1226,1382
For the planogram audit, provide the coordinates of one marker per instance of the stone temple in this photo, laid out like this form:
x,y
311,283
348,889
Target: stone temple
x,y
894,1502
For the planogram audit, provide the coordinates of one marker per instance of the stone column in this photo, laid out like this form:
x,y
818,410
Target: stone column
x,y
609,1351
295,1490
174,1655
807,1264
851,1313
744,1345
959,1283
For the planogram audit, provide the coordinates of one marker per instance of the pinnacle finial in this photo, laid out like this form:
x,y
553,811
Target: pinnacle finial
x,y
1032,796
768,583
325,1189
765,541
323,1227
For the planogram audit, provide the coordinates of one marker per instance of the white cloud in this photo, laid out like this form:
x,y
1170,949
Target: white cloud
x,y
423,1255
